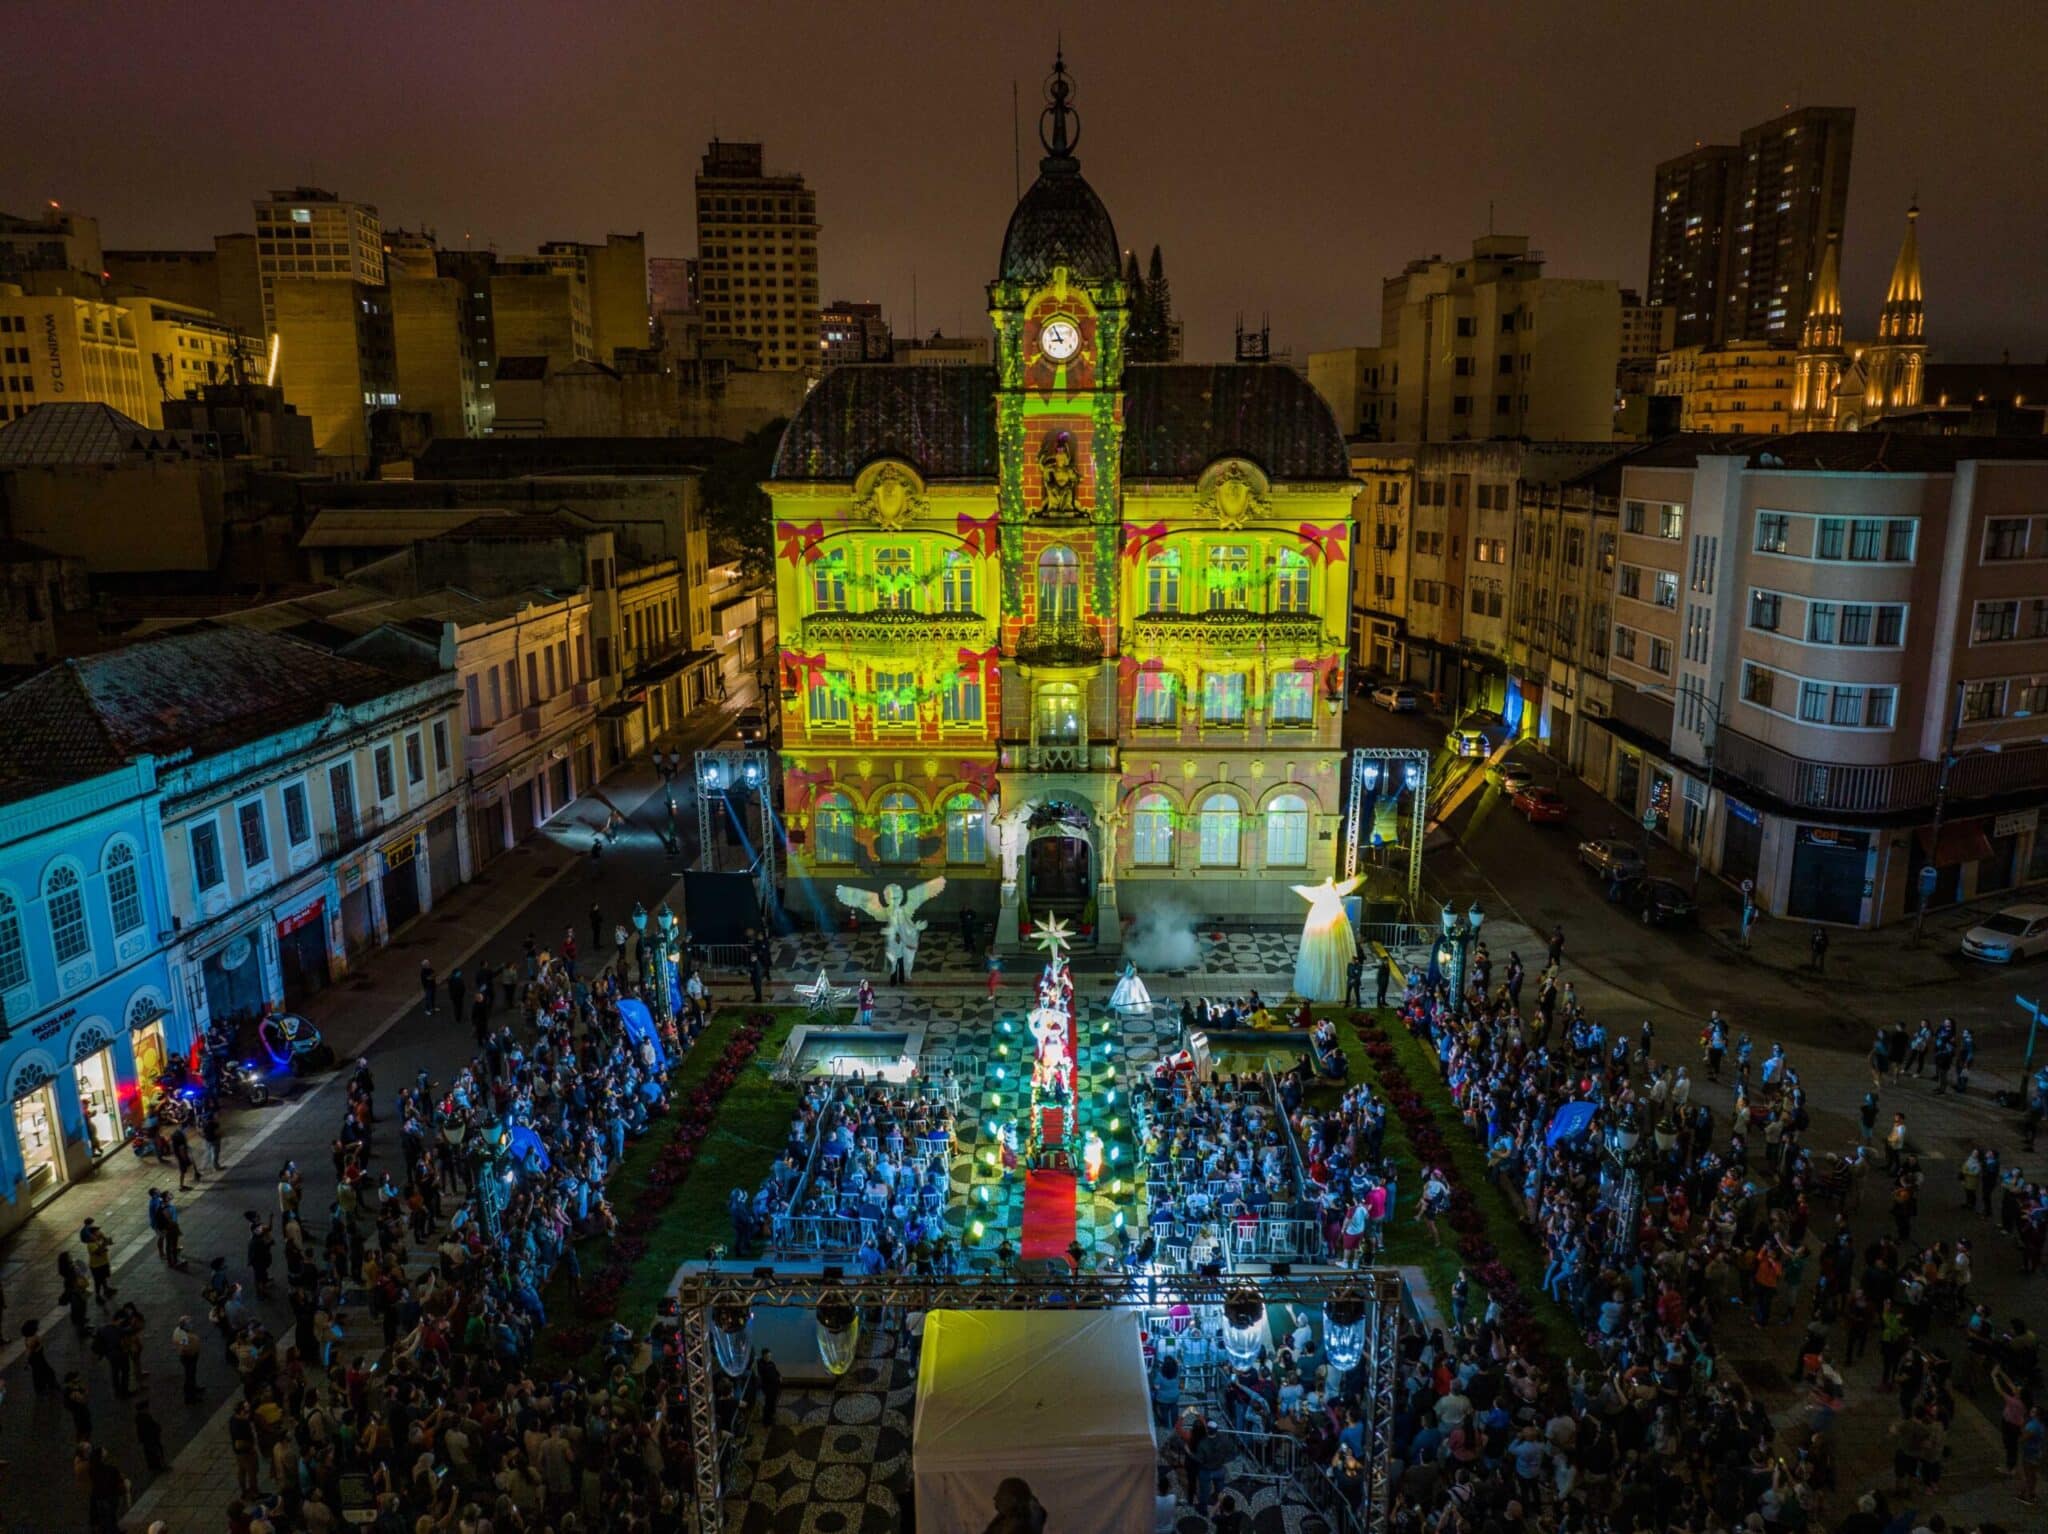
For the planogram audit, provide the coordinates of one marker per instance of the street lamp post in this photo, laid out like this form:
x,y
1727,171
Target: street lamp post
x,y
664,961
1459,934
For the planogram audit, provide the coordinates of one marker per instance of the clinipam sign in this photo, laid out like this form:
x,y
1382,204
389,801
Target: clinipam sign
x,y
56,351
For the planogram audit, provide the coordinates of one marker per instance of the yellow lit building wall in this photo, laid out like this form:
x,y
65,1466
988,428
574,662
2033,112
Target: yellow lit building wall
x,y
184,349
68,350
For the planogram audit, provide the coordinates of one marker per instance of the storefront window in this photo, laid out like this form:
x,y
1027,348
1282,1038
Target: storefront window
x,y
95,1077
35,1130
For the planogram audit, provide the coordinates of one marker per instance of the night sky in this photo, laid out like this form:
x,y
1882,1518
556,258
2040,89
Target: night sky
x,y
1287,156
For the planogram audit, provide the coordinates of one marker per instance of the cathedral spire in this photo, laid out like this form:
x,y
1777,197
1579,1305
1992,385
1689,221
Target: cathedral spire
x,y
1059,125
1903,317
1823,328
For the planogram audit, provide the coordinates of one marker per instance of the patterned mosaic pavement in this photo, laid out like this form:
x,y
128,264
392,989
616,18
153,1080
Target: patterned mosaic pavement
x,y
1223,954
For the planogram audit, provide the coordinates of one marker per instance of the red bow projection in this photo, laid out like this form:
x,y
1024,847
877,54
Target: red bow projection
x,y
976,660
798,660
977,533
981,774
808,783
1323,669
1130,666
1142,541
800,543
1328,543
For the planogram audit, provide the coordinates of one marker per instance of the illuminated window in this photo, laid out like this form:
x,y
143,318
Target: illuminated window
x,y
1287,831
1058,714
1152,832
832,828
957,583
1222,827
966,830
1059,586
828,699
896,697
66,905
1223,698
1229,577
124,889
828,583
897,816
1158,698
1291,582
961,702
1162,582
895,584
1293,697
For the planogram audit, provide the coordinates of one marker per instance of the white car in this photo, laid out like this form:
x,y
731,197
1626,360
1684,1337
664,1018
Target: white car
x,y
1397,697
2017,932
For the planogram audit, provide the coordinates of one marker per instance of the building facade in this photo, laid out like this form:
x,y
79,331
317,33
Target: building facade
x,y
1805,629
339,359
1067,632
434,367
64,350
852,332
1690,210
1852,385
757,256
308,233
1745,387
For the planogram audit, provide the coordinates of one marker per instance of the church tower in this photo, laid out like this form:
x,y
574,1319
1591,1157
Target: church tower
x,y
1821,357
1894,365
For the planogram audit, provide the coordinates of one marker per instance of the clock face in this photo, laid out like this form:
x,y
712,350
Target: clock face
x,y
1061,338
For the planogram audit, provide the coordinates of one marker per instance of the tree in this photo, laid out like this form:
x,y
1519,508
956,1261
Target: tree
x,y
736,511
1137,325
1160,297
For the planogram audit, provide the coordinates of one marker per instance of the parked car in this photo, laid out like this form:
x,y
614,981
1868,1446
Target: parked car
x,y
1612,858
1659,902
1467,742
752,727
1397,697
2017,932
1510,777
1539,806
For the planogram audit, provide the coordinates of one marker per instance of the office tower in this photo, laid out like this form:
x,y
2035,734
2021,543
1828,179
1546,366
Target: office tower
x,y
306,232
757,256
1688,240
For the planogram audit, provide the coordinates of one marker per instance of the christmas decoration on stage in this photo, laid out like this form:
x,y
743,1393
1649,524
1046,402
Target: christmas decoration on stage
x,y
1130,998
821,998
897,912
1053,1125
1327,944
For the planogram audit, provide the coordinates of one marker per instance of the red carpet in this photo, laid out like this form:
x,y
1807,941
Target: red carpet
x,y
1048,1214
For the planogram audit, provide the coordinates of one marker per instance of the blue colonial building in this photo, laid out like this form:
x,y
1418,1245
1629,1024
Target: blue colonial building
x,y
87,1013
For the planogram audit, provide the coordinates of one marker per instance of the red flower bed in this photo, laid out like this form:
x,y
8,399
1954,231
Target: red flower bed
x,y
692,1123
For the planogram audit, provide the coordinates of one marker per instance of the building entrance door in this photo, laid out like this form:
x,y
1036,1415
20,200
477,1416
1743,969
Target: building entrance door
x,y
1827,875
1059,872
95,1074
35,1130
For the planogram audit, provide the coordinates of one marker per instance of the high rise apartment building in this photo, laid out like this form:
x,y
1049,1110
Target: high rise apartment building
x,y
757,256
852,332
53,241
671,284
306,232
540,307
435,369
1737,232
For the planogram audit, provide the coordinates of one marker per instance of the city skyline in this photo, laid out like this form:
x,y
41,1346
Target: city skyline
x,y
1325,157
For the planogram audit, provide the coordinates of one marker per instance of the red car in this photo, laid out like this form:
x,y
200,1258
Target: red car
x,y
1539,804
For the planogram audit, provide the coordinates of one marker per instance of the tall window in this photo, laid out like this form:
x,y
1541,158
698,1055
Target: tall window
x,y
298,820
255,839
898,816
1820,622
1287,831
440,745
415,759
1162,582
966,830
387,777
1230,567
1158,699
1291,582
1293,698
1059,586
66,903
827,701
1058,714
1222,829
961,702
1152,831
956,584
895,697
13,962
207,871
828,583
895,582
341,788
1772,529
1223,698
832,828
124,889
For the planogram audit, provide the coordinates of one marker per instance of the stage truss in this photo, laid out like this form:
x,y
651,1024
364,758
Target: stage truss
x,y
1380,1289
719,768
1388,763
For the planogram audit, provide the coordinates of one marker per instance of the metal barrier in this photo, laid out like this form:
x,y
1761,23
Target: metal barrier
x,y
1283,1239
1275,1457
1319,1486
821,1235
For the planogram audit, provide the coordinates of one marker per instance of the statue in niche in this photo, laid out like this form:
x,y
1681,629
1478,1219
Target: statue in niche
x,y
1059,476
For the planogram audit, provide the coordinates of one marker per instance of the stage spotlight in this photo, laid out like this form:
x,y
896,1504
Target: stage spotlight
x,y
1344,1329
838,1332
730,1343
1244,1323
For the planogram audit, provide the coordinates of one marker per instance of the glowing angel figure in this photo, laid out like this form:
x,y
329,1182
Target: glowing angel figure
x,y
1327,944
897,912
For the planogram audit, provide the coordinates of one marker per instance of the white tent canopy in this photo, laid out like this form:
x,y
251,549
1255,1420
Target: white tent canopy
x,y
1056,1398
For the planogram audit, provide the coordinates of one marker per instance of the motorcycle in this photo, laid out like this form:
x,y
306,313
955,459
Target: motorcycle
x,y
148,1143
225,1075
290,1040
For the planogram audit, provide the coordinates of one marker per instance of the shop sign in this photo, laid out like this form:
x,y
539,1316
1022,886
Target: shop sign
x,y
1742,812
53,1025
1829,836
2016,822
397,854
292,924
234,956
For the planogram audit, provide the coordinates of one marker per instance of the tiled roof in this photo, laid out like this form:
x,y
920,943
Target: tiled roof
x,y
204,689
1181,417
80,433
1836,452
1060,222
942,419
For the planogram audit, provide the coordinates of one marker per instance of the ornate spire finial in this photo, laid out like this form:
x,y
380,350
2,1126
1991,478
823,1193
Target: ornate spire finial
x,y
1059,125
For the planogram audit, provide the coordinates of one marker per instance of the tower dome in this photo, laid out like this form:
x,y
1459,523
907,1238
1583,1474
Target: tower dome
x,y
1060,221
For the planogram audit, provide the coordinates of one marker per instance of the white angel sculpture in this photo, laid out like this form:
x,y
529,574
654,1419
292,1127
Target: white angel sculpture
x,y
1327,943
897,912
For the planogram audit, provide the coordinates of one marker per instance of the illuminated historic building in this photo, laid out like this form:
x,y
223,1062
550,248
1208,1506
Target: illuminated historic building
x,y
1062,628
1844,386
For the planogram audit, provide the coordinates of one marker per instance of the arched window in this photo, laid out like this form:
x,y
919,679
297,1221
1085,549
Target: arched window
x,y
828,583
1162,582
13,962
957,584
1059,586
124,889
1287,831
1222,831
966,830
1291,582
1152,831
832,828
66,903
1230,569
895,579
898,815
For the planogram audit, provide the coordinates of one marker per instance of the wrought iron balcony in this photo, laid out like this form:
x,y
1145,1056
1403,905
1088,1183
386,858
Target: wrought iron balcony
x,y
1228,628
892,625
1060,644
1097,757
1857,787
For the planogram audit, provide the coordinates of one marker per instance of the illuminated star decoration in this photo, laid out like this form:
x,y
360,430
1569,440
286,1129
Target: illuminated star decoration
x,y
1054,936
822,997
